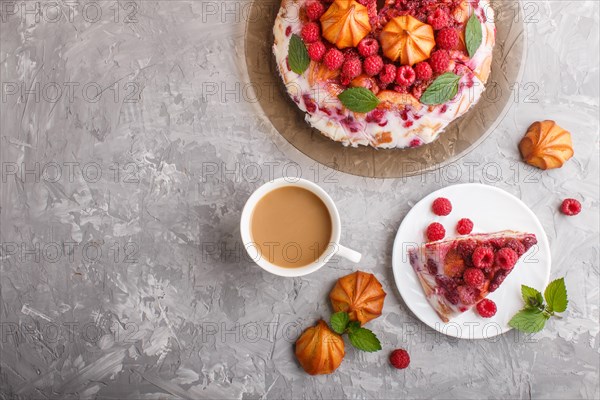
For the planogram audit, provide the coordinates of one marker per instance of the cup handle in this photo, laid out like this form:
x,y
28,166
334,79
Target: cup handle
x,y
349,254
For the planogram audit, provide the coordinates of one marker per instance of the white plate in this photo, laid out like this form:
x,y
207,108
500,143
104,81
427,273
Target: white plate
x,y
491,210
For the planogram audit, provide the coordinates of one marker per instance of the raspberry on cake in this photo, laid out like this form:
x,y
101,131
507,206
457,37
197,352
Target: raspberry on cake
x,y
405,76
368,47
316,51
373,65
458,273
397,52
334,59
423,71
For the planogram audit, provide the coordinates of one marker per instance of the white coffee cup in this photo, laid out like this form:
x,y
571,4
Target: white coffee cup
x,y
334,248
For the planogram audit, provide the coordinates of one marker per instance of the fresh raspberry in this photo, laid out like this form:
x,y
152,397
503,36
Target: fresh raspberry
x,y
333,59
400,89
466,248
474,277
486,308
439,19
506,258
314,10
497,243
405,76
468,294
400,358
517,246
316,51
351,68
447,39
570,207
439,61
368,47
464,226
310,32
483,257
372,65
387,74
441,206
423,71
350,52
435,231
452,296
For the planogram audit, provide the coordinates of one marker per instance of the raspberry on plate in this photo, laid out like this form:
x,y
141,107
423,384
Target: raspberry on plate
x,y
464,226
423,71
405,75
368,47
435,231
441,206
310,32
506,258
316,51
439,61
399,358
333,59
447,39
517,246
373,65
466,248
486,308
570,207
474,277
483,257
314,10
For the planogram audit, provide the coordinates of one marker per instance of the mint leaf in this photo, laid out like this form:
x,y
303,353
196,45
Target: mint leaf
x,y
443,88
339,321
352,326
532,297
358,99
529,320
298,55
556,295
365,340
473,35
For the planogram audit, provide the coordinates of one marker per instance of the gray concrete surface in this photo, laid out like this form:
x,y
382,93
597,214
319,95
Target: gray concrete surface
x,y
122,271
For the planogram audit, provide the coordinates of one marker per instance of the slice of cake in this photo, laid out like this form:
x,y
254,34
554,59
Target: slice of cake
x,y
457,273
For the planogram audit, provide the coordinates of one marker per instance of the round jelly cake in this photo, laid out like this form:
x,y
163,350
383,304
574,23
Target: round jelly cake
x,y
387,74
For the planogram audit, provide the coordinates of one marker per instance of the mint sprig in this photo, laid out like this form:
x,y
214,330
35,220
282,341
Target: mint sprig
x,y
358,99
532,318
298,55
339,321
361,338
473,35
443,88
